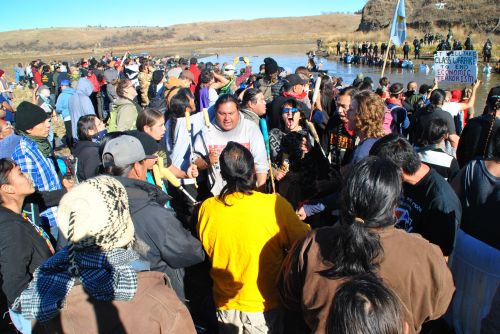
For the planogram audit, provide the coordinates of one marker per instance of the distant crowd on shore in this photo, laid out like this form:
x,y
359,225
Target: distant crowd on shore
x,y
370,53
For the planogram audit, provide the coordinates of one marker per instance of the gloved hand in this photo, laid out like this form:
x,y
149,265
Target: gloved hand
x,y
247,61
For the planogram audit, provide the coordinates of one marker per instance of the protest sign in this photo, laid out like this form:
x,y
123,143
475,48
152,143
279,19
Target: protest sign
x,y
456,66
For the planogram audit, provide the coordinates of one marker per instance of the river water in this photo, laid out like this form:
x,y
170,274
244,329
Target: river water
x,y
294,58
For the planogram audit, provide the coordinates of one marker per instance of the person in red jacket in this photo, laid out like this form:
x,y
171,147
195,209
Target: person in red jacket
x,y
193,68
37,76
95,87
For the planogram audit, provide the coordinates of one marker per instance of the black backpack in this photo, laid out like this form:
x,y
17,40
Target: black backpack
x,y
158,103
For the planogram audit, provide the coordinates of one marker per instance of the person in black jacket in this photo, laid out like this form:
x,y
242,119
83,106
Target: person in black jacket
x,y
475,141
91,131
160,237
23,245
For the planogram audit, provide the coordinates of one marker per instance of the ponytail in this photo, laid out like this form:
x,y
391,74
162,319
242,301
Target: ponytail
x,y
369,199
237,169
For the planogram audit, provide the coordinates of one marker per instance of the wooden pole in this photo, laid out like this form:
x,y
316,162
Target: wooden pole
x,y
389,43
385,58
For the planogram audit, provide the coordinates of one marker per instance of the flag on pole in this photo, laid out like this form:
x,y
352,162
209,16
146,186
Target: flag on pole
x,y
398,28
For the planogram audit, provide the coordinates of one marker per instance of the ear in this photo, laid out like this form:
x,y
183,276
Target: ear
x,y
137,168
8,189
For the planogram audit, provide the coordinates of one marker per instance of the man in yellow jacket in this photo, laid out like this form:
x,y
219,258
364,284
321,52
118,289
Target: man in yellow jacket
x,y
246,235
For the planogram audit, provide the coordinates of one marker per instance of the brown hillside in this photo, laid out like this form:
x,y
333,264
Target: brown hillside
x,y
480,16
194,35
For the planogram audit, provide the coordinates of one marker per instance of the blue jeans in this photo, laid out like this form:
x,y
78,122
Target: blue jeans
x,y
476,272
22,324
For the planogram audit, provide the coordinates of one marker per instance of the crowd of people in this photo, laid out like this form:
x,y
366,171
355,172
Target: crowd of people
x,y
167,195
373,53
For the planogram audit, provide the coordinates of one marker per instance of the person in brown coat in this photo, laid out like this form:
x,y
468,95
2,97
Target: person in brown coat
x,y
366,240
96,284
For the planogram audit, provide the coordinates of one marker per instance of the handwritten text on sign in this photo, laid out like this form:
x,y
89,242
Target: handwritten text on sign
x,y
456,66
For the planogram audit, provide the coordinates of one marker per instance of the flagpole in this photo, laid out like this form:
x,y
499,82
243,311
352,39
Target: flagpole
x,y
389,43
385,58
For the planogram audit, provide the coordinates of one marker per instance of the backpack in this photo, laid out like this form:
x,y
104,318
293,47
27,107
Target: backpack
x,y
112,118
227,88
158,103
392,121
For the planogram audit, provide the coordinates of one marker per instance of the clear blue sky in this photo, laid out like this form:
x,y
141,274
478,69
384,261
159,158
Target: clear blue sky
x,y
28,14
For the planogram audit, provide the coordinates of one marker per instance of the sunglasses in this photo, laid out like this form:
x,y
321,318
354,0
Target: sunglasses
x,y
287,110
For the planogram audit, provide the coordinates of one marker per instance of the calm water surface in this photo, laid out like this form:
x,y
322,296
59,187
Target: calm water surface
x,y
291,61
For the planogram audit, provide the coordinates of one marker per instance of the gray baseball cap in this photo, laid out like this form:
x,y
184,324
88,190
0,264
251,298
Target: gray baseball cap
x,y
123,151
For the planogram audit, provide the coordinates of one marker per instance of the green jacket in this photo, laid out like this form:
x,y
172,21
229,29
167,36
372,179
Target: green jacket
x,y
123,115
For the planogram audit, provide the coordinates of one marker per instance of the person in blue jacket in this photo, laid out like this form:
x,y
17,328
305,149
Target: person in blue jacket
x,y
62,109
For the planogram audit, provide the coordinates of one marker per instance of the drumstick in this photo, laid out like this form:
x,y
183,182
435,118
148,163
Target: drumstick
x,y
312,129
166,173
263,128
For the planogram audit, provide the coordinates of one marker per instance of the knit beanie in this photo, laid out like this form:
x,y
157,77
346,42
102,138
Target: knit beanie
x,y
28,115
270,65
95,215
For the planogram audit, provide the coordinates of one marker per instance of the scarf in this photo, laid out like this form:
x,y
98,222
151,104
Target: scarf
x,y
98,137
394,101
105,276
42,144
295,95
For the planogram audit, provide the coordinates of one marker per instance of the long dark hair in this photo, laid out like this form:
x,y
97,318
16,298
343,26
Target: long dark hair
x,y
326,87
178,105
496,145
156,78
369,198
364,304
237,169
492,105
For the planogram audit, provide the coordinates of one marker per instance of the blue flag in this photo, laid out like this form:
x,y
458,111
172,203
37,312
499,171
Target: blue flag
x,y
398,28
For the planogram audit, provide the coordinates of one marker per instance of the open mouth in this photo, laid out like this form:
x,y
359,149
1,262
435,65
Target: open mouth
x,y
289,122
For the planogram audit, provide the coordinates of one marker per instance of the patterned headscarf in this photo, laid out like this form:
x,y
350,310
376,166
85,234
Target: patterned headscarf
x,y
94,220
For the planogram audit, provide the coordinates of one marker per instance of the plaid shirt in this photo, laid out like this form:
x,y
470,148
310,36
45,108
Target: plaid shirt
x,y
41,169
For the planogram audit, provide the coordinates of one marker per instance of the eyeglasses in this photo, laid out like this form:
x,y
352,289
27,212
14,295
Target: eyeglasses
x,y
287,110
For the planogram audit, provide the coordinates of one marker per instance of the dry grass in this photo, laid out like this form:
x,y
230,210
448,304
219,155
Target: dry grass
x,y
21,94
192,37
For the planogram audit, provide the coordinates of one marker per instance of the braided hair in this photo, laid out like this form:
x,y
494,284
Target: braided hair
x,y
492,105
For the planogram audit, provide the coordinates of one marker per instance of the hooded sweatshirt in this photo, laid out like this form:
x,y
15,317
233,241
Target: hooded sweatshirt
x,y
160,237
62,105
80,103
